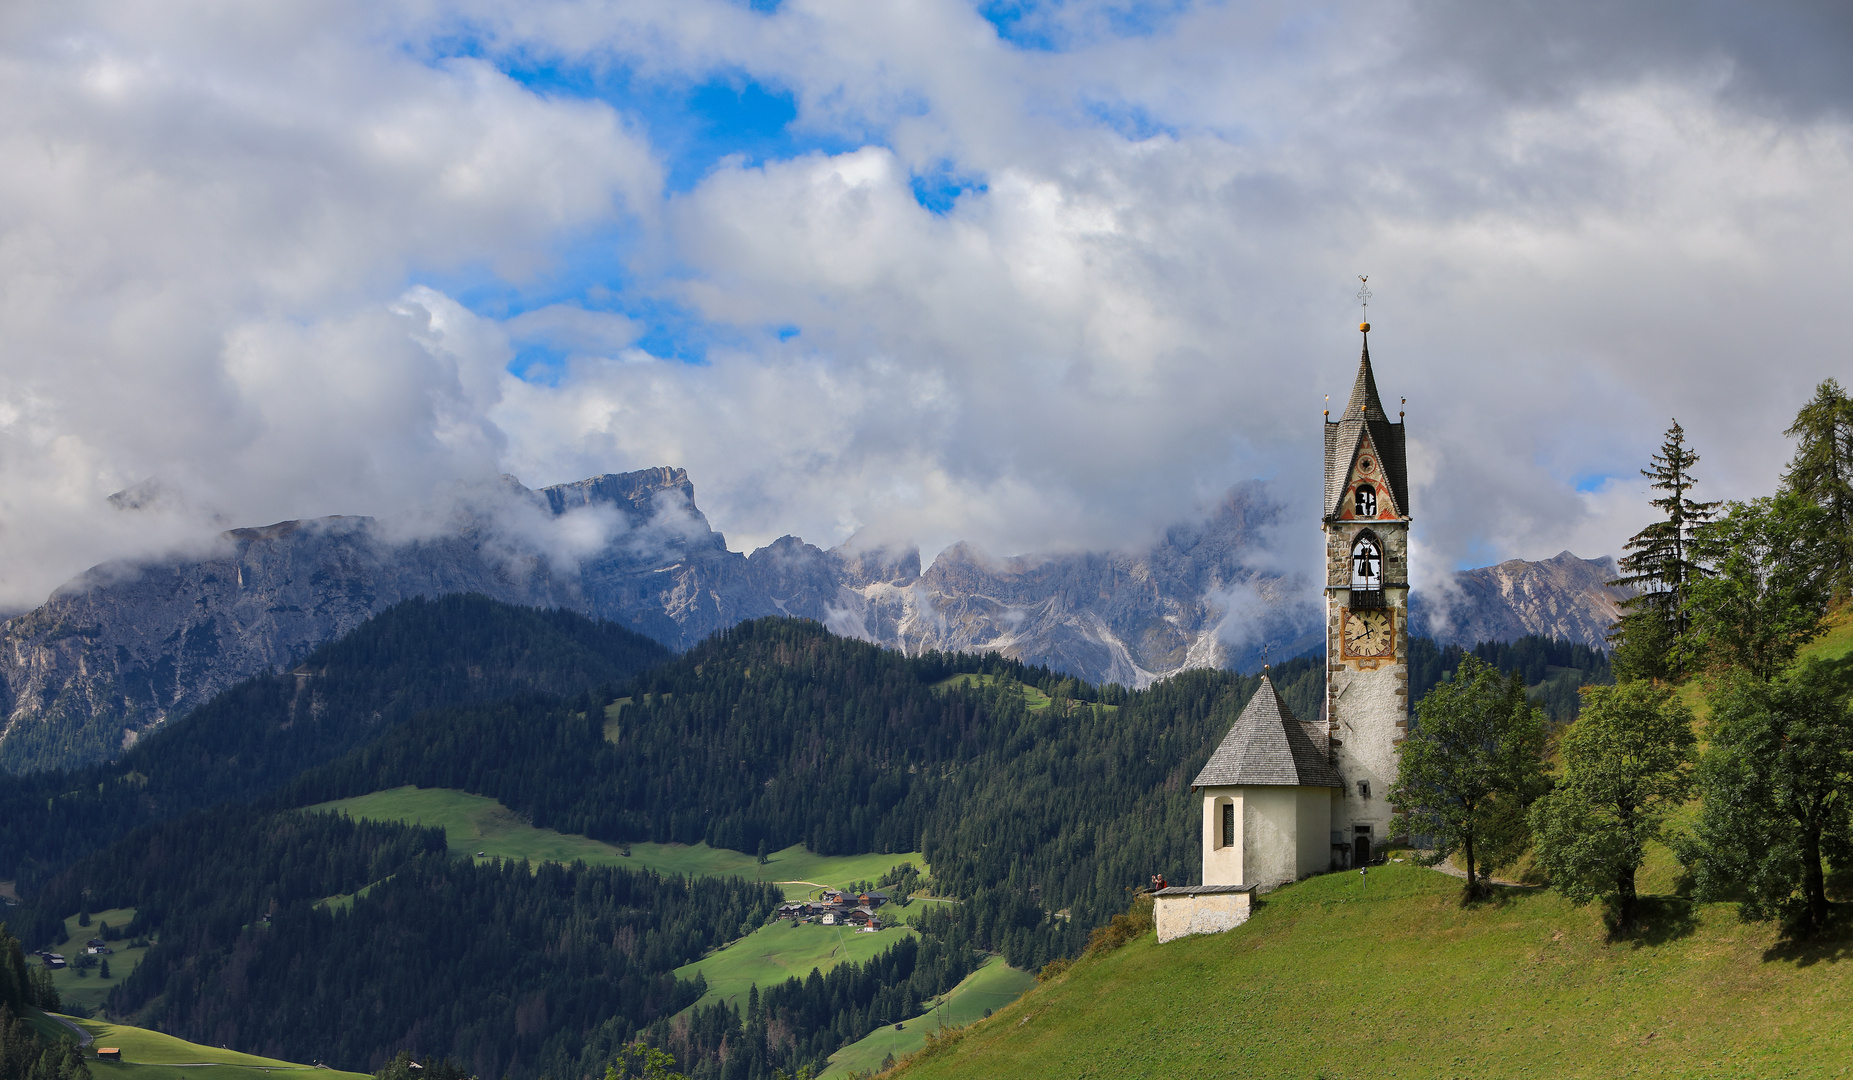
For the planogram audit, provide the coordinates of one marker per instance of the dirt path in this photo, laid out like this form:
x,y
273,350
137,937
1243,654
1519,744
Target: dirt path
x,y
1451,870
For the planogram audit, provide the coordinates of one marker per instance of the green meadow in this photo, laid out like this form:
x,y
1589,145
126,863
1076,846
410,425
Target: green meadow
x,y
993,986
1032,698
782,950
150,1055
475,824
89,989
1341,977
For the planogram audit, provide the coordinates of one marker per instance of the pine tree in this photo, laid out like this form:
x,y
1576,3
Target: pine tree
x,y
1662,561
1822,473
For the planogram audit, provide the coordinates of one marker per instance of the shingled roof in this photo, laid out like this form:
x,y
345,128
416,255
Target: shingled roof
x,y
1364,413
1268,745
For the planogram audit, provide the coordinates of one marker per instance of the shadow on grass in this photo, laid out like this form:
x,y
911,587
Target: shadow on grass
x,y
1657,921
1832,945
1495,895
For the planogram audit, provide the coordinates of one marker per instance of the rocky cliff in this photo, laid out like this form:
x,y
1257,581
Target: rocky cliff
x,y
1563,597
127,646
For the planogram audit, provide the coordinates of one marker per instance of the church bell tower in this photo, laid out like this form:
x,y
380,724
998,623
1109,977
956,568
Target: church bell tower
x,y
1366,524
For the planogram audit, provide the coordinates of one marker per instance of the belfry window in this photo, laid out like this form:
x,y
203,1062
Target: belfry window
x,y
1228,824
1366,502
1366,563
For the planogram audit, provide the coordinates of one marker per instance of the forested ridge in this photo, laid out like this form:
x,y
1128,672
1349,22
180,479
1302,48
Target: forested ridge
x,y
1041,802
512,969
780,732
418,655
1552,670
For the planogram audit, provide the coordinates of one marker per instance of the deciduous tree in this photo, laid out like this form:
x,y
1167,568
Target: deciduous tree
x,y
1472,767
1777,783
1627,762
1764,597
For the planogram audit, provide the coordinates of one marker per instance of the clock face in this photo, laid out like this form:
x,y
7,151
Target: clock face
x,y
1371,632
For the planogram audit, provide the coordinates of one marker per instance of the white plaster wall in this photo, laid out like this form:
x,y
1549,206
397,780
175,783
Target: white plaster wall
x,y
1270,829
1221,865
1182,916
1314,818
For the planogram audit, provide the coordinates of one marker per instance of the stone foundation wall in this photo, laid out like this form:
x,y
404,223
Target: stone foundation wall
x,y
1182,916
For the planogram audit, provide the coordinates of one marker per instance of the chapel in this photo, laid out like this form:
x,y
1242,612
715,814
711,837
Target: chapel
x,y
1285,797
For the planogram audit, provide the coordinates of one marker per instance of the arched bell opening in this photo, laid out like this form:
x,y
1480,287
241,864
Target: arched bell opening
x,y
1367,561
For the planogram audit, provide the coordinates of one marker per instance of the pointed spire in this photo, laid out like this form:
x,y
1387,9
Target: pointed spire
x,y
1365,404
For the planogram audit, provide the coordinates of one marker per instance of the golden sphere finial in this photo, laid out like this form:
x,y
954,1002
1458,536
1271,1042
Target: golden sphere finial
x,y
1364,326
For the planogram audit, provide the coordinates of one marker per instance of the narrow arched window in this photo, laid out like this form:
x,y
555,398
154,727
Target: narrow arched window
x,y
1366,563
1366,503
1228,824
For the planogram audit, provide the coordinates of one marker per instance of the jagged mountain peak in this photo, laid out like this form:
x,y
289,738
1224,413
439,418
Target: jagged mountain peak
x,y
126,646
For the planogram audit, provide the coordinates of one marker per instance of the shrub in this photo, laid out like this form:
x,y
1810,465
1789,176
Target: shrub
x,y
1123,928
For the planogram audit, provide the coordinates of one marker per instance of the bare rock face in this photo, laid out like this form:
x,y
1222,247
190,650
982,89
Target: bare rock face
x,y
1124,617
1562,597
125,647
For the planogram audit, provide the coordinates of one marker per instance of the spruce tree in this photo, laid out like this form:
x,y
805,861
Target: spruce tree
x,y
1662,561
1822,473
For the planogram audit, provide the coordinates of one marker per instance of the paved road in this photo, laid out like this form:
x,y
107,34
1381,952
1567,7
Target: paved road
x,y
83,1037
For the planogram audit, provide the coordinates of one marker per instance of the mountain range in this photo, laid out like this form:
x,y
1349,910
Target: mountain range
x,y
128,645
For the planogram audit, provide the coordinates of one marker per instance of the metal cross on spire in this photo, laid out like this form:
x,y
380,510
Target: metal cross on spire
x,y
1364,294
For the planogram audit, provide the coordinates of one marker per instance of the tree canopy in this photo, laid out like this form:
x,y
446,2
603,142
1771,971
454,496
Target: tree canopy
x,y
1821,473
1627,763
1661,558
1777,787
1471,768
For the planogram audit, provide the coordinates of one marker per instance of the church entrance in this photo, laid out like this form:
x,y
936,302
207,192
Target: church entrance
x,y
1360,846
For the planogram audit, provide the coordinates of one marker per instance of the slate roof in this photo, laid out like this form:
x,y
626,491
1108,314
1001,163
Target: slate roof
x,y
1364,413
1268,745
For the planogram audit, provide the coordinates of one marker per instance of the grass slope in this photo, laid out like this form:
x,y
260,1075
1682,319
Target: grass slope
x,y
1341,979
88,991
771,954
993,986
150,1055
782,950
474,823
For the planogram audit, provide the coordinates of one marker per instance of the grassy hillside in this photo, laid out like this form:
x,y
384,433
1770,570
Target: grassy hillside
x,y
991,987
88,990
783,950
475,824
771,954
150,1055
1337,977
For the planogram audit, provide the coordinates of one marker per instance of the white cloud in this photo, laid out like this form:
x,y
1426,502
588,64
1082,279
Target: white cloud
x,y
245,251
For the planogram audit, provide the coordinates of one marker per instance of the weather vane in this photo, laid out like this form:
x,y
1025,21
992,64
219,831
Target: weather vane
x,y
1364,294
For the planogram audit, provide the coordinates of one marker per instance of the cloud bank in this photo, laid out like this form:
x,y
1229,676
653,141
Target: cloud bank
x,y
1039,276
